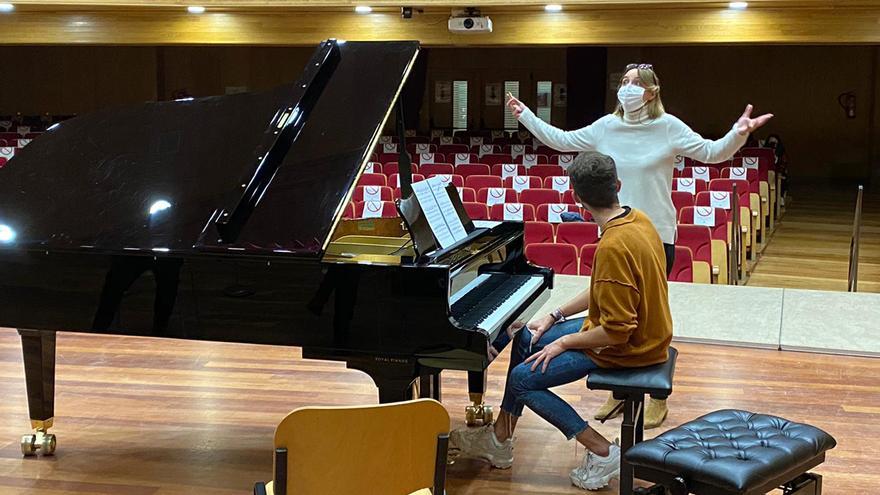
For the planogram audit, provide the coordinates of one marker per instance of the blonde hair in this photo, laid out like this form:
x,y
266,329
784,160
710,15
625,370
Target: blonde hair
x,y
651,83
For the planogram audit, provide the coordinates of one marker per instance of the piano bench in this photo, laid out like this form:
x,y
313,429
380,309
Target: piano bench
x,y
732,452
630,386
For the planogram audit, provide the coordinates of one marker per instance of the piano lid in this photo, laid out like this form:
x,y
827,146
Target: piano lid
x,y
153,177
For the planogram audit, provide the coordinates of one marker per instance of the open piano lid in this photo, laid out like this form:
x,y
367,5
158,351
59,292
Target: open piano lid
x,y
159,177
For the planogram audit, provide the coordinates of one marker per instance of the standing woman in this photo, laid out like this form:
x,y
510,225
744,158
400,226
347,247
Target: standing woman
x,y
643,140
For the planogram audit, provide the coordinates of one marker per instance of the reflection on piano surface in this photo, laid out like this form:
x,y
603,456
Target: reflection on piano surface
x,y
220,219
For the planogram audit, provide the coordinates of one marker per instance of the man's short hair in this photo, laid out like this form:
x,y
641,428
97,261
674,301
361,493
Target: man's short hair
x,y
594,179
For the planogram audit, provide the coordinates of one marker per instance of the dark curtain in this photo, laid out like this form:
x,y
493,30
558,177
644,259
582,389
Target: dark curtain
x,y
587,81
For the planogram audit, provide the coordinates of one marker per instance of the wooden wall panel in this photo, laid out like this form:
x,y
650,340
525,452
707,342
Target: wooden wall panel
x,y
607,27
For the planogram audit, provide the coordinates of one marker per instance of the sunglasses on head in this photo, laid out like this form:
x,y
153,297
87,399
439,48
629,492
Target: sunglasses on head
x,y
630,67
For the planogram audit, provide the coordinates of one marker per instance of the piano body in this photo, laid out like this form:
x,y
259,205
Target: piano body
x,y
220,219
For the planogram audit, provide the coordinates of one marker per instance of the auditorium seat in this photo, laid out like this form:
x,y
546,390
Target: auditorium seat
x,y
752,203
519,212
522,182
759,198
559,183
394,180
430,158
493,159
543,149
587,254
722,199
683,267
373,180
508,169
456,180
468,169
767,186
372,193
476,211
6,154
482,181
375,209
577,233
562,258
681,199
568,197
463,158
699,240
551,212
430,169
719,229
496,195
537,232
416,149
349,212
389,157
373,168
531,159
453,149
539,196
392,168
689,185
467,194
485,149
544,171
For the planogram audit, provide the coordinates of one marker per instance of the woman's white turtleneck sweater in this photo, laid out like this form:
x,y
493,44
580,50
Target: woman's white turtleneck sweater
x,y
644,151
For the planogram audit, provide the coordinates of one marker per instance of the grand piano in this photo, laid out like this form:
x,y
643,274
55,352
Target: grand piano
x,y
221,219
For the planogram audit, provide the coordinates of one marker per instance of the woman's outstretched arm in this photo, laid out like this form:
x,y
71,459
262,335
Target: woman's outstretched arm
x,y
688,143
579,140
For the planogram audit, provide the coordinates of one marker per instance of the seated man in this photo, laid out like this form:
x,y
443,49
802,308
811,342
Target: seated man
x,y
629,325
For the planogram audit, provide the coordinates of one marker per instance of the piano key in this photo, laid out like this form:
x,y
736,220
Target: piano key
x,y
510,305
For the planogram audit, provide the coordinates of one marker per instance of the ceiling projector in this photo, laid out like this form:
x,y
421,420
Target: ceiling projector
x,y
470,24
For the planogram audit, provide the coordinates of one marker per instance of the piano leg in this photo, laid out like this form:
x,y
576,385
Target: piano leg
x,y
429,385
38,348
478,412
396,380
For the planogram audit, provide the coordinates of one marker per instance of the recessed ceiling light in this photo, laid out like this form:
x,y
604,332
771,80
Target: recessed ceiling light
x,y
363,9
6,7
738,5
195,9
553,7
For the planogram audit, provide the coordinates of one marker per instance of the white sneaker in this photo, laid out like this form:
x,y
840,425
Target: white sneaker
x,y
482,444
596,472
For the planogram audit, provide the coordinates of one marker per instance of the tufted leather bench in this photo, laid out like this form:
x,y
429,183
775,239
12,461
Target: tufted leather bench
x,y
630,385
732,452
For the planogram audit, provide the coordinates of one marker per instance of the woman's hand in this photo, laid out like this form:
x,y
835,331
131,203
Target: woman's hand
x,y
746,124
516,107
543,357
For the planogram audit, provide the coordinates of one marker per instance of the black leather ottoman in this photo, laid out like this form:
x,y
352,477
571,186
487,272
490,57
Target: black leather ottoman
x,y
732,452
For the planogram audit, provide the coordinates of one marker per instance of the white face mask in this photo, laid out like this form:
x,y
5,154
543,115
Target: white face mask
x,y
630,97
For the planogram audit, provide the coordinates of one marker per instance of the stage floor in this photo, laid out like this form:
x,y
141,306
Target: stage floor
x,y
148,417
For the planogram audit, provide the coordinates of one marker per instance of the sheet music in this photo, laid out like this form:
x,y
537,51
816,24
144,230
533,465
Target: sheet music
x,y
439,211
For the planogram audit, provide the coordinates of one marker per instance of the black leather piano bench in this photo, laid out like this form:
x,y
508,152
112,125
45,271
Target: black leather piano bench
x,y
630,386
732,452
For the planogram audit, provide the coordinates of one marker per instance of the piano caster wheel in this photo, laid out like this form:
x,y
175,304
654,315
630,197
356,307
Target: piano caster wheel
x,y
39,442
478,415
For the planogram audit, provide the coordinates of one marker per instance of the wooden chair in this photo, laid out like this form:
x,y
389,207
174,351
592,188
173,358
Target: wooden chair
x,y
387,449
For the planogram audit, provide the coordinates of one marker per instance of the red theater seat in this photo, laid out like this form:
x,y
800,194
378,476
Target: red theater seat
x,y
463,158
588,253
544,171
705,173
683,267
577,233
483,181
681,199
394,180
496,195
538,232
430,169
349,212
531,159
562,258
476,211
453,149
372,193
689,185
512,212
456,180
493,159
392,168
508,169
714,218
467,194
537,197
373,180
375,209
523,182
544,212
467,169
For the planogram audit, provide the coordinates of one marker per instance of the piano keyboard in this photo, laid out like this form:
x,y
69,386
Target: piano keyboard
x,y
490,299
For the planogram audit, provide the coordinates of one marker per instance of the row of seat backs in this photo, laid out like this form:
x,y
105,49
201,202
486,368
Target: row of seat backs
x,y
469,168
567,259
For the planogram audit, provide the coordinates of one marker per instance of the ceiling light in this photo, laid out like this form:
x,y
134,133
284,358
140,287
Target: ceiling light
x,y
738,5
553,7
363,9
7,235
195,9
6,7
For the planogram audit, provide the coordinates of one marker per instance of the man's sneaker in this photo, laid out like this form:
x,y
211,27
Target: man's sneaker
x,y
482,444
596,472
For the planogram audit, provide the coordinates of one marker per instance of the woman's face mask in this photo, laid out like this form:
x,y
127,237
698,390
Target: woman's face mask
x,y
631,97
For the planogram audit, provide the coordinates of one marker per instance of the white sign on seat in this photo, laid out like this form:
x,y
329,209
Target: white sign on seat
x,y
704,215
423,148
738,173
565,160
555,211
683,184
24,129
426,158
720,199
486,149
513,212
679,162
444,178
370,168
530,159
24,142
372,209
517,150
409,133
476,141
7,152
521,183
701,173
462,158
447,140
389,148
495,196
385,139
560,183
509,170
751,162
372,193
436,133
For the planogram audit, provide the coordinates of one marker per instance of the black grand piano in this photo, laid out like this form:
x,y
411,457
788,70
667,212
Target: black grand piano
x,y
221,219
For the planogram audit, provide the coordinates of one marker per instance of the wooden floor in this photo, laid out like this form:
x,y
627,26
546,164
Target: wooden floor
x,y
148,417
810,249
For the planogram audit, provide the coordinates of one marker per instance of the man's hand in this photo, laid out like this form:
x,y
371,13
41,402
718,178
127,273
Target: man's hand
x,y
543,357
